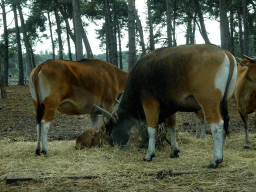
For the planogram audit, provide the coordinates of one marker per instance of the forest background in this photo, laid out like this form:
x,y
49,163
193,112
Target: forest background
x,y
121,31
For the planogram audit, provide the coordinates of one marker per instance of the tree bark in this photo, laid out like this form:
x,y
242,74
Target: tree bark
x,y
78,31
201,20
56,11
224,26
21,72
53,45
131,35
151,34
142,43
6,42
246,26
169,23
26,41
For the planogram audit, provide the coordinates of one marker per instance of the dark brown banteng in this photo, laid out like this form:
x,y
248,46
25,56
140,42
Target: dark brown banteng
x,y
72,88
167,80
245,92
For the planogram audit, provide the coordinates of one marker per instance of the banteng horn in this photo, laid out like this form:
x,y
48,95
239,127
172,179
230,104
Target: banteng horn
x,y
249,58
104,112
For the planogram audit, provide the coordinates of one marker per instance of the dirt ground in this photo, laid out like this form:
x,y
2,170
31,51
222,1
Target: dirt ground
x,y
18,123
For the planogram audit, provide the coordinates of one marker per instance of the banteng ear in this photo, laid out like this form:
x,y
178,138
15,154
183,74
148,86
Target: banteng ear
x,y
240,61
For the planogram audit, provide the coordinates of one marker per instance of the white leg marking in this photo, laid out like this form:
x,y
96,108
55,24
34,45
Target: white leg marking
x,y
151,145
200,128
174,147
219,141
44,131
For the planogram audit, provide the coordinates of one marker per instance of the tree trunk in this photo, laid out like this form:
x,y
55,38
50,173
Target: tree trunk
x,y
109,31
59,33
169,22
86,43
78,31
2,86
240,31
120,47
53,45
174,23
63,13
224,26
6,59
21,73
69,48
26,41
142,44
131,35
201,20
189,32
232,43
246,26
151,34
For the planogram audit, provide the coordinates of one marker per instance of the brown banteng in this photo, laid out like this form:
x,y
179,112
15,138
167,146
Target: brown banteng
x,y
167,80
245,92
72,88
91,138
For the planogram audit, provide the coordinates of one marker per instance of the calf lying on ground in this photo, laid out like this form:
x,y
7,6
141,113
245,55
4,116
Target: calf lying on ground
x,y
91,138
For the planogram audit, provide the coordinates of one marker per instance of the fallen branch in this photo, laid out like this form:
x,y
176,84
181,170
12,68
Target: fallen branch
x,y
13,177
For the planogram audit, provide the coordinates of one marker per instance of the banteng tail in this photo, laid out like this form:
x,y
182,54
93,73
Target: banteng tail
x,y
224,101
40,105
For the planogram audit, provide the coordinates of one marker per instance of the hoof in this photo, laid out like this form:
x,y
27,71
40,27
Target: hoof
x,y
175,154
150,159
45,153
37,153
212,166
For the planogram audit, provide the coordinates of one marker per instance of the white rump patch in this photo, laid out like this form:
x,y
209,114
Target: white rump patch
x,y
222,77
44,87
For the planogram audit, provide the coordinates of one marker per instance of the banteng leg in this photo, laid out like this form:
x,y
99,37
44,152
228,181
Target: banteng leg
x,y
47,113
200,125
246,126
214,119
151,108
170,123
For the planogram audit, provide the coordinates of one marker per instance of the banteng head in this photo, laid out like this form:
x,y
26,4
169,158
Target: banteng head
x,y
118,126
250,62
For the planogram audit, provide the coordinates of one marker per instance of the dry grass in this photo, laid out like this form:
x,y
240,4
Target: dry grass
x,y
238,168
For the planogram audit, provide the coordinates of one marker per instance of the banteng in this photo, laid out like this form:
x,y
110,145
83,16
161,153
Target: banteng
x,y
245,92
91,138
167,80
72,88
